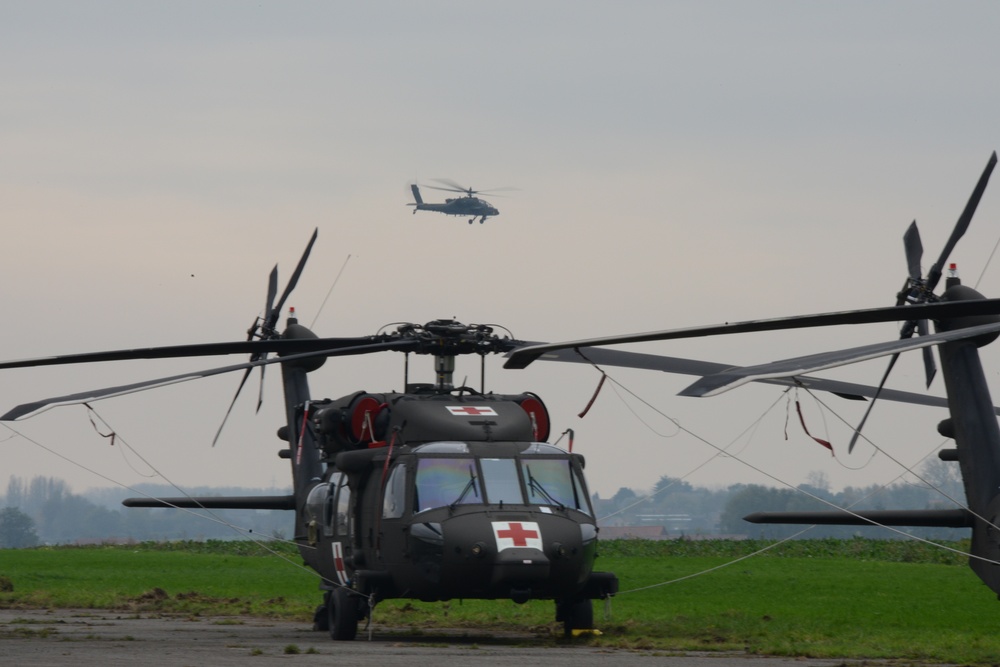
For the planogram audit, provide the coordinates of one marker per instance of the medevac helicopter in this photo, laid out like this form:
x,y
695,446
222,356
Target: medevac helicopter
x,y
442,491
468,206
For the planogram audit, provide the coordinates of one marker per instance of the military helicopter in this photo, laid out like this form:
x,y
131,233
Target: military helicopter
x,y
443,491
469,205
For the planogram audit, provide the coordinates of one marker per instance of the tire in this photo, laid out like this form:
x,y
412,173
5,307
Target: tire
x,y
342,611
576,616
321,617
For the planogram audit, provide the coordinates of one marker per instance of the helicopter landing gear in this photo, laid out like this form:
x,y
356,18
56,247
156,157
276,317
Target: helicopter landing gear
x,y
321,619
472,220
578,615
342,614
482,219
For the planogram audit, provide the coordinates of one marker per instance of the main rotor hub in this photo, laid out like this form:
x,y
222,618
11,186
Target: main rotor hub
x,y
450,338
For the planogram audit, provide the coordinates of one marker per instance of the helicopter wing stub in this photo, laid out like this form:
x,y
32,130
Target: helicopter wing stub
x,y
931,311
734,377
33,408
680,366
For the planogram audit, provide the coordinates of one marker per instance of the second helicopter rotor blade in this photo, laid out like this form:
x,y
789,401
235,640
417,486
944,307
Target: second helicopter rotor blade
x,y
934,275
914,250
294,280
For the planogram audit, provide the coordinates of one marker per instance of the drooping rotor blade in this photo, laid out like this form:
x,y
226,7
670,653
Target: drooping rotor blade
x,y
681,366
934,275
857,429
930,366
279,346
522,357
730,379
35,407
232,403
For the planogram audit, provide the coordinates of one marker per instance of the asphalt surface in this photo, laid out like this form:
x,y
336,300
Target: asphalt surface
x,y
92,638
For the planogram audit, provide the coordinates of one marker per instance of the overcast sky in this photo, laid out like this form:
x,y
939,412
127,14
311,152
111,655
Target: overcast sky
x,y
675,164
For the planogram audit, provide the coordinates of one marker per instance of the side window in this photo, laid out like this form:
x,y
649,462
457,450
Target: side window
x,y
394,502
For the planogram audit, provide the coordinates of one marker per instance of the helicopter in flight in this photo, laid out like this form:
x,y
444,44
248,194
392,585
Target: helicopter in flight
x,y
444,491
468,206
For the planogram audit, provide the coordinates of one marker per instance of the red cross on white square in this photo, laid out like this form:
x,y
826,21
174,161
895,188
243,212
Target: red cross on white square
x,y
471,410
511,534
338,563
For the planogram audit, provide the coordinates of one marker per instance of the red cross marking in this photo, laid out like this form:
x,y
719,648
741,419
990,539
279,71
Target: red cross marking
x,y
471,410
517,533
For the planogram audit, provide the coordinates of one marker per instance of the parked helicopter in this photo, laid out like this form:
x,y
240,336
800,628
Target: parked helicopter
x,y
469,205
443,491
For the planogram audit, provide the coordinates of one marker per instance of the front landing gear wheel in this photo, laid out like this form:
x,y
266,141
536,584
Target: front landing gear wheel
x,y
342,614
575,616
321,617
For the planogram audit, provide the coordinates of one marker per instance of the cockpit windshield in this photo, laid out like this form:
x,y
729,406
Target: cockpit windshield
x,y
538,475
444,482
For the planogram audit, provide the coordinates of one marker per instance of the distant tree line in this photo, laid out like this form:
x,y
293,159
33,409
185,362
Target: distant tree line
x,y
43,510
44,507
685,510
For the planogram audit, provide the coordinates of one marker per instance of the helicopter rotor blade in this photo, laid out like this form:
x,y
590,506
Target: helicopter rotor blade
x,y
272,291
871,404
522,357
680,366
455,187
914,251
278,345
274,313
732,378
36,407
919,291
934,275
232,403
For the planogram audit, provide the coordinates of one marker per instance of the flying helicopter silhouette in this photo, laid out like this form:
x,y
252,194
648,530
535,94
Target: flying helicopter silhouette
x,y
443,491
468,206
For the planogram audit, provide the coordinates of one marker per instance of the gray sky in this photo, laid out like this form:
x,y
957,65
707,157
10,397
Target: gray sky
x,y
676,164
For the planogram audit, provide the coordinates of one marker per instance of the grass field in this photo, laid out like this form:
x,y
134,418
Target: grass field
x,y
817,598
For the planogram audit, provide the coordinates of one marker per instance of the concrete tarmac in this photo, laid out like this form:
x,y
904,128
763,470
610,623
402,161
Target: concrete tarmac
x,y
95,638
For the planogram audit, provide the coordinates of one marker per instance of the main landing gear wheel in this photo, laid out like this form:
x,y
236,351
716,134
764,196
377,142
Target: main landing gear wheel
x,y
342,614
575,616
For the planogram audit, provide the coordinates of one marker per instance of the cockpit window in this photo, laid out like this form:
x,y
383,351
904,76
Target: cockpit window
x,y
444,482
539,474
550,482
500,480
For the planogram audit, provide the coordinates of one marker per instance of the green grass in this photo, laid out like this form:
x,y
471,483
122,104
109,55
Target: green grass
x,y
859,599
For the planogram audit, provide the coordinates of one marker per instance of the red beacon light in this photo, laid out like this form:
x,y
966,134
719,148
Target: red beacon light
x,y
953,270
